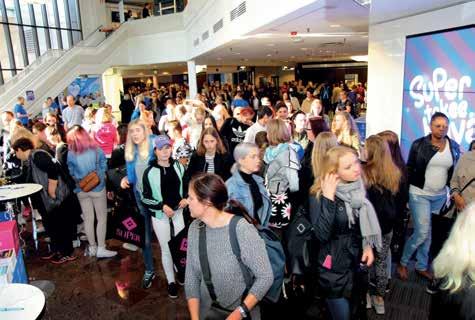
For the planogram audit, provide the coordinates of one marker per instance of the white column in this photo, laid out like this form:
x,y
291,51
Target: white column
x,y
121,11
192,78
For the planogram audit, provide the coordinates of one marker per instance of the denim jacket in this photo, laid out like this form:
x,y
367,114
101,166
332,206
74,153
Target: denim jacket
x,y
80,165
239,190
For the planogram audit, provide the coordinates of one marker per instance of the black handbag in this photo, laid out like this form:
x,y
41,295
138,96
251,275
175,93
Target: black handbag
x,y
299,235
216,311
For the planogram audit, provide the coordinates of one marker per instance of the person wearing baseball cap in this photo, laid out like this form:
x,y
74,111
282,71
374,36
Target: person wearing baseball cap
x,y
163,196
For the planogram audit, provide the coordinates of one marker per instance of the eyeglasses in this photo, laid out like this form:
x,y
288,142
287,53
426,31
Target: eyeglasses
x,y
308,129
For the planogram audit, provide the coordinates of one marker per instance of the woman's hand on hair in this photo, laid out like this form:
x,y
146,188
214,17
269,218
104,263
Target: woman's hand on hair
x,y
183,203
329,183
368,256
168,211
124,183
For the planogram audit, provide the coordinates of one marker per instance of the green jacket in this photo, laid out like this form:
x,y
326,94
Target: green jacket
x,y
152,194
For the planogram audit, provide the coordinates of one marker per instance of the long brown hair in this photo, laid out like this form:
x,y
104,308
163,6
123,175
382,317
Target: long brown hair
x,y
380,170
392,140
324,142
220,148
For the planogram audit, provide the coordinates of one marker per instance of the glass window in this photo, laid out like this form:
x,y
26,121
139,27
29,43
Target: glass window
x,y
54,38
76,37
42,39
25,12
10,7
7,75
62,14
50,11
30,43
74,14
4,60
38,15
64,37
17,50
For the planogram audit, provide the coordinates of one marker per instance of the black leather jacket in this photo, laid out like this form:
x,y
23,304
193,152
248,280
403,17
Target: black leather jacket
x,y
420,154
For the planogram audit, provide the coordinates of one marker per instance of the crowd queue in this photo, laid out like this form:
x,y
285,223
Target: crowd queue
x,y
249,168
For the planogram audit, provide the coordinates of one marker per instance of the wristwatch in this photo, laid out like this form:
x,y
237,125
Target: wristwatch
x,y
244,311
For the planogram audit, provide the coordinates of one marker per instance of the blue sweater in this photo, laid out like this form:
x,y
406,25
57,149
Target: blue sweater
x,y
81,164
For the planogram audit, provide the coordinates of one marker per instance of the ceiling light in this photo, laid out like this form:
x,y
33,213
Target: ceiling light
x,y
165,73
292,57
363,3
335,26
360,58
304,49
269,55
242,67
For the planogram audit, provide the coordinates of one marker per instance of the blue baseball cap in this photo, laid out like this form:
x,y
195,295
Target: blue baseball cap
x,y
161,141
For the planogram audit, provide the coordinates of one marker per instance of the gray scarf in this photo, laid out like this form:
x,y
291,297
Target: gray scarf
x,y
356,204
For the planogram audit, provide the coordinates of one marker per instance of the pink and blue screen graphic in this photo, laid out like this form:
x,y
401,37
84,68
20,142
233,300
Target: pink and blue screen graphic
x,y
439,75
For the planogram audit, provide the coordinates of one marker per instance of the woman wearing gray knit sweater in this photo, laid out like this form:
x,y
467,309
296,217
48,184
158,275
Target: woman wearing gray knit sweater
x,y
207,199
464,172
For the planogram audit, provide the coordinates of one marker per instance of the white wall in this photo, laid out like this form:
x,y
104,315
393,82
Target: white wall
x,y
93,15
386,51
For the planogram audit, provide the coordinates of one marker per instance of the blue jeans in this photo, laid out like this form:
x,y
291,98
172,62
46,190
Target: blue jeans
x,y
421,208
147,248
339,308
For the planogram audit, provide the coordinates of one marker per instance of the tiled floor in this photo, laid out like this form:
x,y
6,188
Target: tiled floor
x,y
85,289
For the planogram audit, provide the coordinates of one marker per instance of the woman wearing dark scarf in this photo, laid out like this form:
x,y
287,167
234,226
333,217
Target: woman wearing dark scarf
x,y
247,187
347,228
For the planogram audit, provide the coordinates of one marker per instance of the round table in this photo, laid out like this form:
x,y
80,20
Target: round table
x,y
14,191
21,301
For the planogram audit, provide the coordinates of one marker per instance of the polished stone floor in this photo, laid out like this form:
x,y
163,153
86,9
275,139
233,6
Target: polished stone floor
x,y
86,289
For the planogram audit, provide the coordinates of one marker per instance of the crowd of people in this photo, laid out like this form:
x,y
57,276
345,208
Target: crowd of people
x,y
268,155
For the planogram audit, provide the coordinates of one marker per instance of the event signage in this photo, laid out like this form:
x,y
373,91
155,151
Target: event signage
x,y
439,75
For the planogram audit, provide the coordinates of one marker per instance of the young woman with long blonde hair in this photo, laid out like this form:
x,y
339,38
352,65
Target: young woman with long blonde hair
x,y
383,182
345,130
138,154
347,229
454,268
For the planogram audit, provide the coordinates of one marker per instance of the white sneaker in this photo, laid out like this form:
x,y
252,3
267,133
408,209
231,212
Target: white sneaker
x,y
104,253
129,246
90,251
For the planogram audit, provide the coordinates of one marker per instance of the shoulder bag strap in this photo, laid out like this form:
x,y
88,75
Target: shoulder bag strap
x,y
466,186
237,251
205,263
97,160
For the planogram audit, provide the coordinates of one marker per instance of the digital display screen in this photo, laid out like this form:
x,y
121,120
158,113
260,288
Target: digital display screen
x,y
439,75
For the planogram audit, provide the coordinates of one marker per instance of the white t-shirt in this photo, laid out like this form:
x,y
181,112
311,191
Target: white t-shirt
x,y
436,174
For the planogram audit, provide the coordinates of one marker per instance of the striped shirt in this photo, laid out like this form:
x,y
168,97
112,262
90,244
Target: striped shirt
x,y
209,163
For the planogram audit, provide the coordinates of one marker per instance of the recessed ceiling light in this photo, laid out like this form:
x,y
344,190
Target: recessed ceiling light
x,y
335,26
360,58
165,73
363,3
304,49
269,55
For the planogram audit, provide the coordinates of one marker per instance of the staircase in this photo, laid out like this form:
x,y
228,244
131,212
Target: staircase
x,y
56,69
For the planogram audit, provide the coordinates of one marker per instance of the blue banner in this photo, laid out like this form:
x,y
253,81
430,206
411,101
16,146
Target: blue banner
x,y
439,75
85,86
